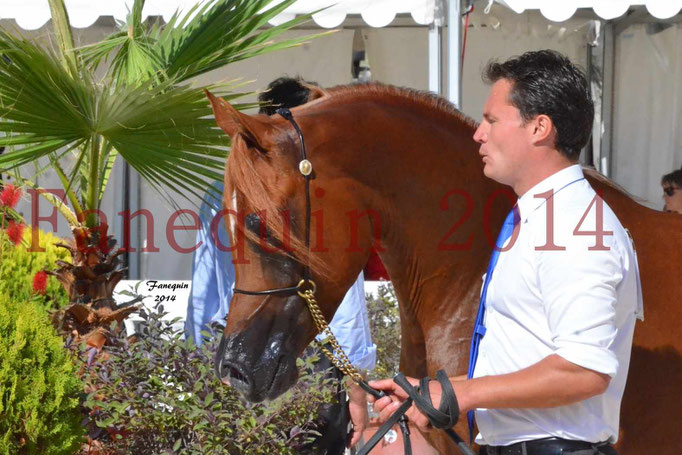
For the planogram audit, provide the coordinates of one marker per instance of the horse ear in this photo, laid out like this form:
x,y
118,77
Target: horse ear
x,y
315,91
226,116
233,122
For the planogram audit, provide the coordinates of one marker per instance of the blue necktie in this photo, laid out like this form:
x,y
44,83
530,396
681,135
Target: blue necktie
x,y
510,222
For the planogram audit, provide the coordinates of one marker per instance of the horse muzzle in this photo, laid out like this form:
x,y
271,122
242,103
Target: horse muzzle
x,y
257,374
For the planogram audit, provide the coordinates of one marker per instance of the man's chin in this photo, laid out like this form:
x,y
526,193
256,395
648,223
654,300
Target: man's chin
x,y
488,171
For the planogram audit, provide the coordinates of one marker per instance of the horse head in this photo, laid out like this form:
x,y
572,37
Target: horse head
x,y
265,208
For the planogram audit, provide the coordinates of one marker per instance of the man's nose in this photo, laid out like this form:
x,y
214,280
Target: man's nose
x,y
479,135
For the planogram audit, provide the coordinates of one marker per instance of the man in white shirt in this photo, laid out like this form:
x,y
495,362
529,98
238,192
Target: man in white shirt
x,y
558,314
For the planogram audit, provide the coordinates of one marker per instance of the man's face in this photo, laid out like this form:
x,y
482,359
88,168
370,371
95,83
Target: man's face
x,y
504,138
672,195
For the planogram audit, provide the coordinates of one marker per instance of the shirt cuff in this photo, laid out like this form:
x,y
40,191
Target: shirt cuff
x,y
593,358
364,359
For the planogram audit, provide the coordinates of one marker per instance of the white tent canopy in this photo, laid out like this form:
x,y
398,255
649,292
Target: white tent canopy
x,y
33,14
559,11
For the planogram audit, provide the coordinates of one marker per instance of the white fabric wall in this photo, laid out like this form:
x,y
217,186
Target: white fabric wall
x,y
647,134
503,34
399,55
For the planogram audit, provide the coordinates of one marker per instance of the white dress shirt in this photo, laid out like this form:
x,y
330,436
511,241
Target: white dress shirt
x,y
578,303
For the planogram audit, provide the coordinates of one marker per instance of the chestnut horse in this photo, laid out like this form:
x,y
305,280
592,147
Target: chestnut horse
x,y
398,169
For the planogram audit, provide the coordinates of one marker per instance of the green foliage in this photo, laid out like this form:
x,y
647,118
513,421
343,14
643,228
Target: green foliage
x,y
39,388
384,323
160,395
19,266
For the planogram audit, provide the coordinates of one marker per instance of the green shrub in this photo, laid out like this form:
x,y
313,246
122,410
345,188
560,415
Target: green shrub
x,y
19,266
160,395
39,388
384,323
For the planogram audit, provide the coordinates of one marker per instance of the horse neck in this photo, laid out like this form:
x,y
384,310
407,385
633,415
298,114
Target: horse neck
x,y
420,169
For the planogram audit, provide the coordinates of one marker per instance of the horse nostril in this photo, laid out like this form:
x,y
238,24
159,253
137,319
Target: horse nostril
x,y
236,375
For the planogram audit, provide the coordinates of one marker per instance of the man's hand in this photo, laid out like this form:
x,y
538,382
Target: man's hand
x,y
357,406
396,396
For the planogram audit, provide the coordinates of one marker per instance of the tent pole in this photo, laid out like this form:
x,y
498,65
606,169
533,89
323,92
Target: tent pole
x,y
605,165
436,49
435,60
455,52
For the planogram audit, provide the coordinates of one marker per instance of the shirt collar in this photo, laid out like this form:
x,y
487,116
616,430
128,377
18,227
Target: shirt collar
x,y
528,203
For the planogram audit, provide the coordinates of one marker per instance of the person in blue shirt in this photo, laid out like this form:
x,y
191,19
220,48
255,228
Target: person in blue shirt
x,y
213,278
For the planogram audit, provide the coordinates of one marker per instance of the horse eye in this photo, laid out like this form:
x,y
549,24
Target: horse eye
x,y
252,223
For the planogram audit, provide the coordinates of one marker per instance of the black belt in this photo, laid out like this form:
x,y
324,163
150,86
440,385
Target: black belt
x,y
551,446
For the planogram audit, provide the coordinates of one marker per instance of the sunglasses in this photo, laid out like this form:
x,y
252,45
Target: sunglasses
x,y
670,190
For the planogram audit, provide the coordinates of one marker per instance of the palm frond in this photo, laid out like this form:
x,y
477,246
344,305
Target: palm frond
x,y
219,33
165,131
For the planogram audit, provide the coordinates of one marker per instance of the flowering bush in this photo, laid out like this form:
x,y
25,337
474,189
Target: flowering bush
x,y
160,395
9,196
22,276
11,224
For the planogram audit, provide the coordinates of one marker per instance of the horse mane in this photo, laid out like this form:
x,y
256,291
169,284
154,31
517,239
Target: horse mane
x,y
245,184
422,98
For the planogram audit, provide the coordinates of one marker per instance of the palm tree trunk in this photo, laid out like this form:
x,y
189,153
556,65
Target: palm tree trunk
x,y
92,203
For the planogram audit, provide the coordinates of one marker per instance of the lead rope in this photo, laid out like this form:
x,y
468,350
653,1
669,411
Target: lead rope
x,y
444,418
341,361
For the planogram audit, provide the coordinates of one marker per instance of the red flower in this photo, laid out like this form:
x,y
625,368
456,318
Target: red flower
x,y
40,282
10,196
15,232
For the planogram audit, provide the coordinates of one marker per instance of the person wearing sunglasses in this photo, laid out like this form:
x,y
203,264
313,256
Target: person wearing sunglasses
x,y
672,191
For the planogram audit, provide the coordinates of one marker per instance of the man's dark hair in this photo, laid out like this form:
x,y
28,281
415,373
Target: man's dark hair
x,y
546,82
672,179
283,92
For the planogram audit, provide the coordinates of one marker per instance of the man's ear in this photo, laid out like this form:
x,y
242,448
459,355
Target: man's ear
x,y
255,129
543,129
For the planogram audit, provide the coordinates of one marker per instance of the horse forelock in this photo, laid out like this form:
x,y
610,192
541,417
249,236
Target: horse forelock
x,y
252,191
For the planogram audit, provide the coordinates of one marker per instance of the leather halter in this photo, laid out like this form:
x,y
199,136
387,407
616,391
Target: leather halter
x,y
445,417
305,167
